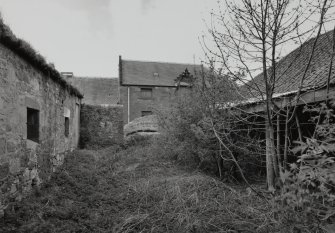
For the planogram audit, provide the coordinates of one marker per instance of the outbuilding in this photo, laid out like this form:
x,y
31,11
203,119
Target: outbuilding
x,y
39,117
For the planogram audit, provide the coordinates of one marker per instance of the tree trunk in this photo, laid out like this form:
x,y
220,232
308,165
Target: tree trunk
x,y
286,138
298,127
273,151
270,175
279,159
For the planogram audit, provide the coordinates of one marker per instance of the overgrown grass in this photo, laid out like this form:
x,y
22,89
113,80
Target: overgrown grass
x,y
136,190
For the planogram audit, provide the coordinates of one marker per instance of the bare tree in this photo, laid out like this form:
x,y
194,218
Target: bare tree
x,y
251,37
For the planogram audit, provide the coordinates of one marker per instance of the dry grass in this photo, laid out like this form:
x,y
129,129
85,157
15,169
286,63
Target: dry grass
x,y
133,190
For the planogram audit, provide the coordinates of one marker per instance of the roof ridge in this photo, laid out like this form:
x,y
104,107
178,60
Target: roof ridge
x,y
95,77
161,62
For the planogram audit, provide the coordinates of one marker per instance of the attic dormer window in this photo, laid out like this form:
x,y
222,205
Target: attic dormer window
x,y
156,75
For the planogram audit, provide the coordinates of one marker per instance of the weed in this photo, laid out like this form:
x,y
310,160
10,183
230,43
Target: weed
x,y
136,190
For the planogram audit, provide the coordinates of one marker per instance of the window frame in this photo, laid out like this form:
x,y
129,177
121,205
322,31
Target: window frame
x,y
33,124
144,90
143,115
66,126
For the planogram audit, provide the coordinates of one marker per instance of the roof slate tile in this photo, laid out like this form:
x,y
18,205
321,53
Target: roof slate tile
x,y
143,72
291,68
97,91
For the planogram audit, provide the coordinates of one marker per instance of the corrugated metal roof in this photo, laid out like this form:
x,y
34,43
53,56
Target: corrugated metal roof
x,y
153,73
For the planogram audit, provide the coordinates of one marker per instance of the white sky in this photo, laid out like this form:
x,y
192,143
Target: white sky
x,y
87,36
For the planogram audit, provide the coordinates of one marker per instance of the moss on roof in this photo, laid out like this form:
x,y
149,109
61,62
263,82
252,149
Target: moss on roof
x,y
26,52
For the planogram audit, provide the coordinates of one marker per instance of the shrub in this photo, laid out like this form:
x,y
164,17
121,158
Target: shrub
x,y
307,201
188,131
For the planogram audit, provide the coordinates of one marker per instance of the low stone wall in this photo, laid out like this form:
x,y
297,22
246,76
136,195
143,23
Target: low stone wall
x,y
146,124
101,125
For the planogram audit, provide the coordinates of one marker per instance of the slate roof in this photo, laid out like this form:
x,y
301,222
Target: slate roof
x,y
30,55
146,73
97,90
290,69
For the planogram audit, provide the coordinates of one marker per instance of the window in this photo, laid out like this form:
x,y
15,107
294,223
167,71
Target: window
x,y
146,93
67,126
33,124
156,75
146,113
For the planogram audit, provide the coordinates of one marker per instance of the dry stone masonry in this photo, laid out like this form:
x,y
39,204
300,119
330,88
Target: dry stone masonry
x,y
34,109
101,125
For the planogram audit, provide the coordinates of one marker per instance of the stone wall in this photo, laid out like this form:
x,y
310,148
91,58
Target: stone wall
x,y
101,125
148,124
26,163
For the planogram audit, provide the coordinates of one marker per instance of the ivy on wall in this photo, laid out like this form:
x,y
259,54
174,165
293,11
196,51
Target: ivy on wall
x,y
100,126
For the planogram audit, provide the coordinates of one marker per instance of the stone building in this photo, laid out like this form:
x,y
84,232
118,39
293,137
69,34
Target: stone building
x,y
39,117
101,115
145,85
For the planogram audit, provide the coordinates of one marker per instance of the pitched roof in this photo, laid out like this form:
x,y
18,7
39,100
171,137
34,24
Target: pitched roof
x,y
148,73
97,90
291,68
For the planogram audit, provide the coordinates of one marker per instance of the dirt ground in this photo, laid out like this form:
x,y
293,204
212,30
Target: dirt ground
x,y
135,190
